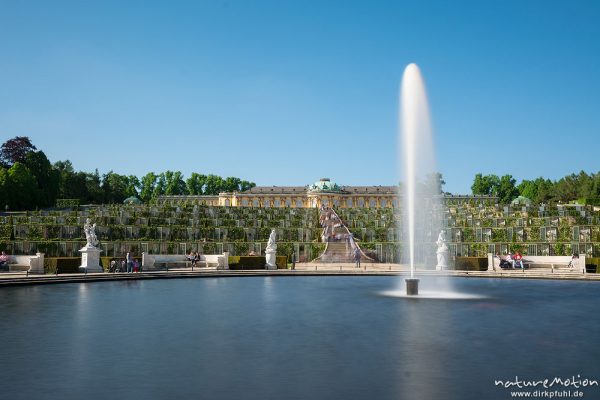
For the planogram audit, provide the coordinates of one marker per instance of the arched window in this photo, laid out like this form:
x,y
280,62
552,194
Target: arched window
x,y
277,203
255,203
383,203
361,202
267,203
372,203
244,202
288,203
299,203
349,202
227,203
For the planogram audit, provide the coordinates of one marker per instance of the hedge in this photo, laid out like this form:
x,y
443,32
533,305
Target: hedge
x,y
65,265
471,263
255,262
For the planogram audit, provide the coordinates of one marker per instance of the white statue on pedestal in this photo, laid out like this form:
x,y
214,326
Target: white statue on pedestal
x,y
90,254
442,252
271,250
90,233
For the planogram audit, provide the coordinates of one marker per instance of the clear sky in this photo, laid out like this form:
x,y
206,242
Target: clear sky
x,y
286,92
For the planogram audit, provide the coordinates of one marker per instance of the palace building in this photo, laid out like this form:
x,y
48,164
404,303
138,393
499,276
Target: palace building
x,y
321,193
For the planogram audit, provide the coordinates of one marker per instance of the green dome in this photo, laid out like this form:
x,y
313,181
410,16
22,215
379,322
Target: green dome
x,y
132,200
324,185
521,200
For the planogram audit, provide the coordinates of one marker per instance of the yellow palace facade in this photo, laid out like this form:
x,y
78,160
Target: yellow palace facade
x,y
321,193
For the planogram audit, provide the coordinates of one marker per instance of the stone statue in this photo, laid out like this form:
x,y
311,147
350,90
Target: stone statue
x,y
90,254
272,244
271,250
90,233
442,252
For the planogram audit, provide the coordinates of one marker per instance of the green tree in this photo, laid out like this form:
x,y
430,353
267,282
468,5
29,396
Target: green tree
x,y
72,185
175,185
114,187
4,189
195,183
161,185
147,186
133,185
506,190
485,185
214,185
246,185
47,178
23,187
538,190
231,184
93,183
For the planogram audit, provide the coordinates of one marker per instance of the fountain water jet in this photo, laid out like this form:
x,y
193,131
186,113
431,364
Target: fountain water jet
x,y
419,171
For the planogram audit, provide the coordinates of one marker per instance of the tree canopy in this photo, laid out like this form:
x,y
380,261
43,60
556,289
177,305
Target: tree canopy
x,y
539,190
29,180
15,150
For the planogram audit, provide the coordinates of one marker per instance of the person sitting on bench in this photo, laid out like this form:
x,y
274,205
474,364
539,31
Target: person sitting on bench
x,y
4,262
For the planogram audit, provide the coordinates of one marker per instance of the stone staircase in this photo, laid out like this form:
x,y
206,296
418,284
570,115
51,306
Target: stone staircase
x,y
340,243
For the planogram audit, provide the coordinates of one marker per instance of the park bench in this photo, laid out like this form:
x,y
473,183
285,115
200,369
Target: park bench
x,y
159,261
541,262
23,263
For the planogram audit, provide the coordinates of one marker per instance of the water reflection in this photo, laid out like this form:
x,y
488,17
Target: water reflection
x,y
293,338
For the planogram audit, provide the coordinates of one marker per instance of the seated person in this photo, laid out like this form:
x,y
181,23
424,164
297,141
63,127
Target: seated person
x,y
518,260
192,257
504,264
510,260
4,262
574,260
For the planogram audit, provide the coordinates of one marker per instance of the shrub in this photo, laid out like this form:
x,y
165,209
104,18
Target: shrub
x,y
65,265
471,263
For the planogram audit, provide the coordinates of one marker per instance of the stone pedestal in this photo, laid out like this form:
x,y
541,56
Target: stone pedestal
x,y
271,260
442,259
223,262
490,258
90,259
37,264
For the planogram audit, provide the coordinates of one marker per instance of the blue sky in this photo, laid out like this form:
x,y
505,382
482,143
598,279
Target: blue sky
x,y
285,92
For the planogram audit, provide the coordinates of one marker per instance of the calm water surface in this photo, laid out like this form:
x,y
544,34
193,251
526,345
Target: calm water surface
x,y
291,338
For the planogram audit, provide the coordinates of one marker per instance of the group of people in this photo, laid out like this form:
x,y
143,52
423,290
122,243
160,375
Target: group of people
x,y
194,257
511,261
129,265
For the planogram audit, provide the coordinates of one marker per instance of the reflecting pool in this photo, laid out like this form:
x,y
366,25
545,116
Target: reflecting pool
x,y
292,338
